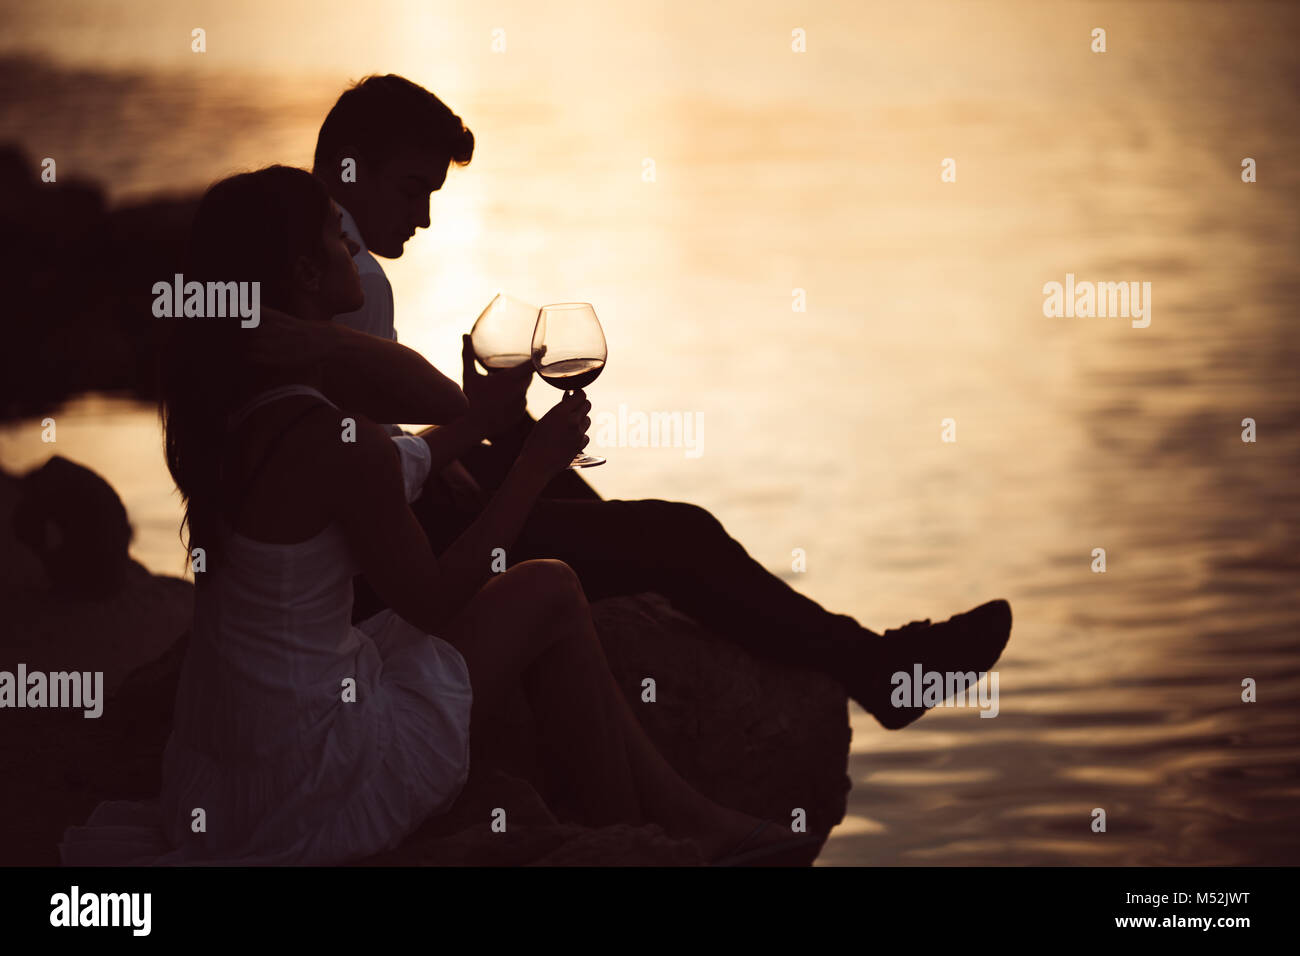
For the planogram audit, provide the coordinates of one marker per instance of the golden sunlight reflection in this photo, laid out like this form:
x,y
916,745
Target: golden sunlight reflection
x,y
923,303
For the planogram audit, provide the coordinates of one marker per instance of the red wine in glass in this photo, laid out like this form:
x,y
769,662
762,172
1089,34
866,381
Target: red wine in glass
x,y
569,352
571,373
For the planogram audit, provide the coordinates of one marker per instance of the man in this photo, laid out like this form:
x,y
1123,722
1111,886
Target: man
x,y
383,150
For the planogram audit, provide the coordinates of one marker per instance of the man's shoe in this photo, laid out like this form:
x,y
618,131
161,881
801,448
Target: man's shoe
x,y
970,642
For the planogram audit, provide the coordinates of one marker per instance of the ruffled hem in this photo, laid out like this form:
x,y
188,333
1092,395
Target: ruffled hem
x,y
422,768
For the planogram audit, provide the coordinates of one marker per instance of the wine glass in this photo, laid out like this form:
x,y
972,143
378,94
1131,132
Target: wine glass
x,y
569,352
501,335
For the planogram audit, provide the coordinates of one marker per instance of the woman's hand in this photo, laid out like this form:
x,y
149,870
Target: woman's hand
x,y
558,436
497,400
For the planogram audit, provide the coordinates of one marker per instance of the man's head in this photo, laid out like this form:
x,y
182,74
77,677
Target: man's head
x,y
401,139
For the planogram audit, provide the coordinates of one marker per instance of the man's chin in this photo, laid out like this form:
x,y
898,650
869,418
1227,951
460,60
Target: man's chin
x,y
391,252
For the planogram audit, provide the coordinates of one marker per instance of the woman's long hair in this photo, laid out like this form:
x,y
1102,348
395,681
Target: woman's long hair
x,y
249,228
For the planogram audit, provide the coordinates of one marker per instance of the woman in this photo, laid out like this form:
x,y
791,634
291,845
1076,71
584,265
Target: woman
x,y
298,737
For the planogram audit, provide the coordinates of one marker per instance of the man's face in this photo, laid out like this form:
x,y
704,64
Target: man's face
x,y
392,201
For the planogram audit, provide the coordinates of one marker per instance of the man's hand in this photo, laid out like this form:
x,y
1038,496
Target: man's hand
x,y
281,339
497,401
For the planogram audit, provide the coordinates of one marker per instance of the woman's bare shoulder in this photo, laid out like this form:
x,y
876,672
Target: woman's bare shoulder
x,y
336,442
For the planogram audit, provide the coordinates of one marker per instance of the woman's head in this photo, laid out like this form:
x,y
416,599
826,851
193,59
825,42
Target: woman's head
x,y
279,228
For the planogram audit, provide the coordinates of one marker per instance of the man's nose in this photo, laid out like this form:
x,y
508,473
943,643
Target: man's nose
x,y
422,220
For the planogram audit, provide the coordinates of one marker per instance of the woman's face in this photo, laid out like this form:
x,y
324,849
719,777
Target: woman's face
x,y
340,289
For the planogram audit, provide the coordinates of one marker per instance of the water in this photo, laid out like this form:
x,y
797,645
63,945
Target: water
x,y
821,428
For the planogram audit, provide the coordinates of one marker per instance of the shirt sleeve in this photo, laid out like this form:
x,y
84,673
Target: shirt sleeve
x,y
417,462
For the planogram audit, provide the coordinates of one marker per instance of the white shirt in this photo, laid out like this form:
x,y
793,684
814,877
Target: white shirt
x,y
375,317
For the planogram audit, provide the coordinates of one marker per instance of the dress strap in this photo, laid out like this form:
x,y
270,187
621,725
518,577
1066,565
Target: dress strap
x,y
271,395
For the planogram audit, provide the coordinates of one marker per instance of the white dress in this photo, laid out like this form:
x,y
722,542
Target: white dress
x,y
302,739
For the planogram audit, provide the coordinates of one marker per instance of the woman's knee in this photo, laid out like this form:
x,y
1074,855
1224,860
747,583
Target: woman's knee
x,y
549,583
543,572
522,613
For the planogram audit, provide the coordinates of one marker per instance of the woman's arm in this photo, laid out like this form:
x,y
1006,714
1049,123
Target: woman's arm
x,y
500,417
449,442
391,547
388,382
497,406
379,378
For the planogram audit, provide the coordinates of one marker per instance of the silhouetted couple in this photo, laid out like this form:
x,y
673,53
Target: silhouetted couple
x,y
315,728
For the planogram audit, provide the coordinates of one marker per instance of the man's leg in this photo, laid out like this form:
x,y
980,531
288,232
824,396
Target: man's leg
x,y
684,553
678,550
681,551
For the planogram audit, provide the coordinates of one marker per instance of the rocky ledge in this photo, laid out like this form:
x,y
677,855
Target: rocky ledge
x,y
746,733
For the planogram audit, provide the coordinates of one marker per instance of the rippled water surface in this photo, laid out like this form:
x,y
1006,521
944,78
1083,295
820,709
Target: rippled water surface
x,y
821,429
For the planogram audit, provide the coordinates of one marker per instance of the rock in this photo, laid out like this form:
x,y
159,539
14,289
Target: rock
x,y
57,764
747,733
73,622
75,523
79,278
463,837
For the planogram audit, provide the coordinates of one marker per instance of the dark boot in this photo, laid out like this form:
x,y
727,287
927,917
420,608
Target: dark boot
x,y
969,642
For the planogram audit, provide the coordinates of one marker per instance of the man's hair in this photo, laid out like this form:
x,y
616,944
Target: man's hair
x,y
384,114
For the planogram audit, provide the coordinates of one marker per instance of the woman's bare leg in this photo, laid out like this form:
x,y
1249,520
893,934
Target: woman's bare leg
x,y
533,622
516,629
